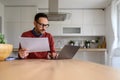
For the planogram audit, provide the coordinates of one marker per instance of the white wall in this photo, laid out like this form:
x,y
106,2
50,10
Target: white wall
x,y
2,15
109,31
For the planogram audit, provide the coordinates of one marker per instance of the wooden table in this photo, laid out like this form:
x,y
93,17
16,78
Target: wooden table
x,y
39,69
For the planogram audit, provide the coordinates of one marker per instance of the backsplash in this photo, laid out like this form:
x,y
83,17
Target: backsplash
x,y
60,41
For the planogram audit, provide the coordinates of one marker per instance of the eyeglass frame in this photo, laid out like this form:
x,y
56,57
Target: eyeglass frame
x,y
43,25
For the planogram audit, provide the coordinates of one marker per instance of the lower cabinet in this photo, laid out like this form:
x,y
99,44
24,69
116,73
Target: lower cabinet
x,y
97,57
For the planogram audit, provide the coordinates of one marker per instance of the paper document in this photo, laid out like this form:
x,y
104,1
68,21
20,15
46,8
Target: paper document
x,y
35,44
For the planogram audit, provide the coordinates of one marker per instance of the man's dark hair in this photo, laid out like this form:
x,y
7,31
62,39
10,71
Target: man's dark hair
x,y
38,15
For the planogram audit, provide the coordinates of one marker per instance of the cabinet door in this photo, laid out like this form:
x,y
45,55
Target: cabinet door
x,y
97,57
94,17
25,26
27,14
77,17
12,14
93,30
94,23
27,18
12,33
55,30
17,21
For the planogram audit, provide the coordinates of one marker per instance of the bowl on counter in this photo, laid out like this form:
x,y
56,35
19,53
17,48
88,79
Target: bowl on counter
x,y
5,51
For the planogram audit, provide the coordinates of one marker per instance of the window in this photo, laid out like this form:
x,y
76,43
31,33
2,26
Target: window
x,y
118,23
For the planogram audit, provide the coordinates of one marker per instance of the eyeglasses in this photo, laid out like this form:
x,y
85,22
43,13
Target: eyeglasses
x,y
43,25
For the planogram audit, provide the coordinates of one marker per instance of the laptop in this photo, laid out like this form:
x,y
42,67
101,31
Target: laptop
x,y
68,52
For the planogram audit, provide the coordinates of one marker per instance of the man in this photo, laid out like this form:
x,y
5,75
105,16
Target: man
x,y
39,30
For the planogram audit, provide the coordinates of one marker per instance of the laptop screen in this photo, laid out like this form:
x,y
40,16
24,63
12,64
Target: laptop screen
x,y
68,52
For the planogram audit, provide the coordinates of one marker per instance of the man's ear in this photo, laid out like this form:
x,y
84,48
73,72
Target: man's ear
x,y
35,24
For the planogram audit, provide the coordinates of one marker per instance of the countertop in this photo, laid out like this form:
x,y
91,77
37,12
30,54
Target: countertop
x,y
87,49
81,49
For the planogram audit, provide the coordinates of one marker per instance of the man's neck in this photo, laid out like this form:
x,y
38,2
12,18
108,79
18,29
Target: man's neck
x,y
37,32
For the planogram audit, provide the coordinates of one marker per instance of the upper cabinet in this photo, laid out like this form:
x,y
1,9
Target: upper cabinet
x,y
77,17
28,13
20,14
55,29
93,30
12,14
94,22
74,17
90,21
18,20
93,17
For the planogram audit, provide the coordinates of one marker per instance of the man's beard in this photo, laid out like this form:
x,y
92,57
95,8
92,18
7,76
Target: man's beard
x,y
40,31
43,31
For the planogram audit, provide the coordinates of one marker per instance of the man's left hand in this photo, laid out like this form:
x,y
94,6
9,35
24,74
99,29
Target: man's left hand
x,y
52,55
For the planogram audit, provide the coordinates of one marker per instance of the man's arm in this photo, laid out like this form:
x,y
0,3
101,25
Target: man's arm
x,y
22,53
52,47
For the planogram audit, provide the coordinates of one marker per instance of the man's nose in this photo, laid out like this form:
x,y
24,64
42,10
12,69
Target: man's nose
x,y
43,27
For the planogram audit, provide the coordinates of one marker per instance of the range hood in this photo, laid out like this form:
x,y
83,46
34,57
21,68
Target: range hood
x,y
53,14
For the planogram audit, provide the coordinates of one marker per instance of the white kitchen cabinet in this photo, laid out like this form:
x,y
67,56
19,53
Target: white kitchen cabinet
x,y
55,29
18,20
96,55
92,56
91,22
74,17
12,14
20,14
71,31
93,30
77,17
70,22
25,26
12,33
94,17
27,14
94,23
67,30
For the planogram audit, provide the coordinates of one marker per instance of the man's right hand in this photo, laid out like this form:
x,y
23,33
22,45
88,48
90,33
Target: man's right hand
x,y
23,53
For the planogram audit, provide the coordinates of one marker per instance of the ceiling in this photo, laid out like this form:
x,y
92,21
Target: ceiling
x,y
62,3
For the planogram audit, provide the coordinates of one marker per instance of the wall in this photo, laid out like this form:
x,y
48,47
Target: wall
x,y
2,16
60,41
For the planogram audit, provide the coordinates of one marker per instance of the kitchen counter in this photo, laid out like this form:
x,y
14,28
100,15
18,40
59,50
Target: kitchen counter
x,y
97,50
81,49
93,51
87,49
